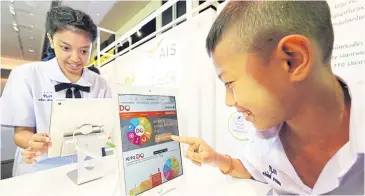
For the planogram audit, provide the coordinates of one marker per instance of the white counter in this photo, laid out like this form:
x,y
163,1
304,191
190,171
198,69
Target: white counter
x,y
204,180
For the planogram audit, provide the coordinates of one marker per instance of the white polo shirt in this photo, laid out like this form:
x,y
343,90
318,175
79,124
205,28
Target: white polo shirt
x,y
26,101
266,160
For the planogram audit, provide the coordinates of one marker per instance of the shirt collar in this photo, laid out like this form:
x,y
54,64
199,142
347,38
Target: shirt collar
x,y
56,74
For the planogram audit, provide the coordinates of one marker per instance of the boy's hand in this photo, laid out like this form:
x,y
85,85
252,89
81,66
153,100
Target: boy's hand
x,y
199,151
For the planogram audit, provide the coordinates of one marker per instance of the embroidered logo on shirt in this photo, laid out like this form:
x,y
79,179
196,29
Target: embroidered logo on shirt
x,y
46,96
270,174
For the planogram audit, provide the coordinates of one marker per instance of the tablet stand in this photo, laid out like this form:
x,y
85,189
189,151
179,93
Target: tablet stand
x,y
88,145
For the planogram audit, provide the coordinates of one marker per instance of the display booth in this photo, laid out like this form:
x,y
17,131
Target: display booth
x,y
176,57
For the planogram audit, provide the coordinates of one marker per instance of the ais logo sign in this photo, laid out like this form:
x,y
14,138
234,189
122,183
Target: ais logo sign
x,y
167,51
162,50
124,108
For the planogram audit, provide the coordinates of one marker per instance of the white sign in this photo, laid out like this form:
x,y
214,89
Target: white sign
x,y
348,56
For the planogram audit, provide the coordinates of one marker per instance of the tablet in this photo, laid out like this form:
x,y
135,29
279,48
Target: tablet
x,y
150,163
70,115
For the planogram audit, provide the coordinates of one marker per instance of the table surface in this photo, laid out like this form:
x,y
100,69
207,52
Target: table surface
x,y
204,180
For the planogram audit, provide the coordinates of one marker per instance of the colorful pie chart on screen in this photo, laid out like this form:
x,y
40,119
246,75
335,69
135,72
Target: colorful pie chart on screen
x,y
171,169
139,131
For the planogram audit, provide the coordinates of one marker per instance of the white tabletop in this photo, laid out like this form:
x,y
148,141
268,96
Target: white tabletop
x,y
205,180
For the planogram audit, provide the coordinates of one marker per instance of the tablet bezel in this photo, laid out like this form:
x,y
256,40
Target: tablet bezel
x,y
128,89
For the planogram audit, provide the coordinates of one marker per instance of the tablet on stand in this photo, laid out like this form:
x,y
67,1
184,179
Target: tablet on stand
x,y
150,163
81,127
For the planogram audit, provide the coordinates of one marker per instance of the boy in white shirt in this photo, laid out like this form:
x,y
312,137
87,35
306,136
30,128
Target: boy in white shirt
x,y
26,100
275,59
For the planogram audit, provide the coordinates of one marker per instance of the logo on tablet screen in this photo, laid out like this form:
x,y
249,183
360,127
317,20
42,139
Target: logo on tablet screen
x,y
139,156
125,107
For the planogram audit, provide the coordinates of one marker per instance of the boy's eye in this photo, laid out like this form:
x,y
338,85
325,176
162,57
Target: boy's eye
x,y
65,47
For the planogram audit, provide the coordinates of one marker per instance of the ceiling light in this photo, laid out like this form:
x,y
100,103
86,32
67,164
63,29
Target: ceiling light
x,y
31,50
97,14
11,1
139,33
31,26
31,14
11,9
31,38
14,23
15,28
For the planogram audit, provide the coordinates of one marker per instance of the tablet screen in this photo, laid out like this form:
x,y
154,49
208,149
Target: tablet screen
x,y
151,158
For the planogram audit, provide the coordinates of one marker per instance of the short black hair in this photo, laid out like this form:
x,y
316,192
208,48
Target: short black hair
x,y
94,69
63,17
259,25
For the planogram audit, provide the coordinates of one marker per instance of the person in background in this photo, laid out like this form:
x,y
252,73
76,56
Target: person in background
x,y
27,97
274,58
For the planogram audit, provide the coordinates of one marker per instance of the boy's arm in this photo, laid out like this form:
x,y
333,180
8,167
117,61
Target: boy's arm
x,y
225,163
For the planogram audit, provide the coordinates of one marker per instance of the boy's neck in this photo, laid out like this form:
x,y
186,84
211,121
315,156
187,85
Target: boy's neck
x,y
322,114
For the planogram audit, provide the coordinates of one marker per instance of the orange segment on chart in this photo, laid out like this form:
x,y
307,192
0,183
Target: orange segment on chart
x,y
144,139
148,133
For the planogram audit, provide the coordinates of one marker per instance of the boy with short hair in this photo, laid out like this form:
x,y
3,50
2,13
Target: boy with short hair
x,y
275,59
